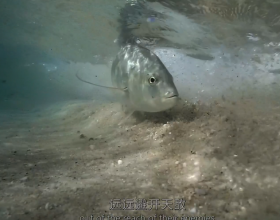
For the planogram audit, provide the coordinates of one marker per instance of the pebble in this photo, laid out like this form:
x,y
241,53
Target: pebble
x,y
90,163
24,179
30,165
251,202
193,210
91,146
184,164
47,206
119,162
200,192
177,162
218,203
224,118
233,206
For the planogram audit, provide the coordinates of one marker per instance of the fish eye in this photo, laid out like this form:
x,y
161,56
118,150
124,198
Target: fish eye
x,y
152,80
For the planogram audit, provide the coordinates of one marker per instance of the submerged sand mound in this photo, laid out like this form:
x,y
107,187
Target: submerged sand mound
x,y
71,160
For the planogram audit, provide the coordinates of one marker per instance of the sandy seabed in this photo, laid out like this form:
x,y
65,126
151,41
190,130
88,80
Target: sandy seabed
x,y
70,160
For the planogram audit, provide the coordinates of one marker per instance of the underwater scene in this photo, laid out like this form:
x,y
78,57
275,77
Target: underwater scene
x,y
140,110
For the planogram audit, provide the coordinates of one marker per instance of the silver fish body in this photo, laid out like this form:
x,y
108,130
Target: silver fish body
x,y
148,85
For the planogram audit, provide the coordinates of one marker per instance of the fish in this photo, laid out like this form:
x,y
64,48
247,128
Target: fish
x,y
145,82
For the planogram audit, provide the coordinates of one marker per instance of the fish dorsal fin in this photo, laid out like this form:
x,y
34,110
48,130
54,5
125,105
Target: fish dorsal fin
x,y
107,87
